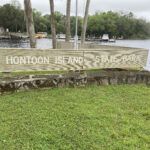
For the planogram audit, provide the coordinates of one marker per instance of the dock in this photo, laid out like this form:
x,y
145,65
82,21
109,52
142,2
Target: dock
x,y
3,37
18,36
13,36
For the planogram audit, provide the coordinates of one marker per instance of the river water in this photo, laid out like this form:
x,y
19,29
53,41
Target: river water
x,y
131,43
41,43
47,43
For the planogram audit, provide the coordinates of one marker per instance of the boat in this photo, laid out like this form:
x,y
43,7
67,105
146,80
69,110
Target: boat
x,y
41,35
112,40
105,38
61,36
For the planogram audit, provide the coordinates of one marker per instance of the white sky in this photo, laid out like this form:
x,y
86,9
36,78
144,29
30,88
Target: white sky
x,y
141,8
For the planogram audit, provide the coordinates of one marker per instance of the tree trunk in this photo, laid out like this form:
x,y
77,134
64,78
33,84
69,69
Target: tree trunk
x,y
84,28
30,22
68,9
53,27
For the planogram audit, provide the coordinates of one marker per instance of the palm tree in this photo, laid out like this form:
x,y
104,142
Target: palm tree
x,y
53,27
68,8
30,22
84,28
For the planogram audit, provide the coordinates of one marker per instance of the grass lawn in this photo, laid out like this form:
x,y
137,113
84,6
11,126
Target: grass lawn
x,y
91,118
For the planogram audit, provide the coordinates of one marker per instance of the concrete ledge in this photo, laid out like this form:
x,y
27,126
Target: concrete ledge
x,y
74,79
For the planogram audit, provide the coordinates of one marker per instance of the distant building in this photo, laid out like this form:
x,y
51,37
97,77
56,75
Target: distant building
x,y
2,30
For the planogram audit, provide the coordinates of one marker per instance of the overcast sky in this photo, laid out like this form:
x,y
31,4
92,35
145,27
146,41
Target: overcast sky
x,y
141,8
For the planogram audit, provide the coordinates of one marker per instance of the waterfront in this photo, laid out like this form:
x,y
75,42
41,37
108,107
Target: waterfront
x,y
41,43
47,43
131,43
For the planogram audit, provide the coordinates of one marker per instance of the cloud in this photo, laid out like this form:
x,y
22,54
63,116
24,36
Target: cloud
x,y
139,7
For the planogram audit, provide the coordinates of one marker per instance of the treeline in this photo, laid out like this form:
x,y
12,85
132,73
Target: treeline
x,y
112,23
12,18
118,24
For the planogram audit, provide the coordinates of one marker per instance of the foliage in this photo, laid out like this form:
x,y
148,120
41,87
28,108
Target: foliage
x,y
118,24
112,23
12,18
41,23
111,117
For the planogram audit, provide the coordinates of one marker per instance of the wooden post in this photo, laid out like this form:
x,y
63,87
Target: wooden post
x,y
84,28
30,22
53,25
68,34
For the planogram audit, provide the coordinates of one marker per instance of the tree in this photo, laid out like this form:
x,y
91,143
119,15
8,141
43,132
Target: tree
x,y
60,20
68,8
53,25
73,25
40,21
30,22
84,28
12,18
113,23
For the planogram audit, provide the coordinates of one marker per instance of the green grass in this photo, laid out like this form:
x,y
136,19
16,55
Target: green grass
x,y
91,118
